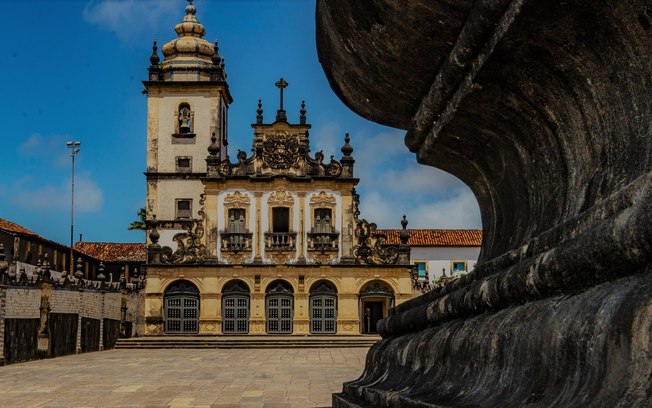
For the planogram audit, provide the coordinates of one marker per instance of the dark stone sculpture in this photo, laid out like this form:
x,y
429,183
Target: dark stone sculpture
x,y
543,109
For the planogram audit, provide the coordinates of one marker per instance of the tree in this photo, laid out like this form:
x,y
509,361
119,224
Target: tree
x,y
140,224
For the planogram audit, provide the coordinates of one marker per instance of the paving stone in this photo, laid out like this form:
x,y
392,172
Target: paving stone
x,y
182,378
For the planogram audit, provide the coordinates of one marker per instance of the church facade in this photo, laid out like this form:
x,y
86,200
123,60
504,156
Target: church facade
x,y
270,243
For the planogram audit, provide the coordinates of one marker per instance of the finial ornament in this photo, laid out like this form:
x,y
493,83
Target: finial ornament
x,y
347,149
213,148
190,8
154,59
216,56
259,112
404,236
302,118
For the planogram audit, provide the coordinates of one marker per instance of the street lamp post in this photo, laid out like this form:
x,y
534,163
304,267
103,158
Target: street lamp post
x,y
75,149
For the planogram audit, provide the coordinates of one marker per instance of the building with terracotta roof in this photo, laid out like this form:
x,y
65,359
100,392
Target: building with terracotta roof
x,y
438,253
24,248
118,257
270,243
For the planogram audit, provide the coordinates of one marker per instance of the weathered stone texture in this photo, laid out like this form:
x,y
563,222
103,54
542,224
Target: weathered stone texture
x,y
22,303
543,109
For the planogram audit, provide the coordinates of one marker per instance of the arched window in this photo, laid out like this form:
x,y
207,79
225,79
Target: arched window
x,y
181,308
376,298
279,307
235,308
323,308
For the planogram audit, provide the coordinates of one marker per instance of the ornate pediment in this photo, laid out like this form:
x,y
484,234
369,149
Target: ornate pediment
x,y
237,200
281,197
322,199
281,151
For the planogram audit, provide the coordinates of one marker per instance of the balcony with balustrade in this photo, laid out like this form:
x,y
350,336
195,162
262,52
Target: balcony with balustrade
x,y
236,241
280,241
323,241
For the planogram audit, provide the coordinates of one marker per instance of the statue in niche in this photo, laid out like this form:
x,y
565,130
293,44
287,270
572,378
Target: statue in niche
x,y
185,119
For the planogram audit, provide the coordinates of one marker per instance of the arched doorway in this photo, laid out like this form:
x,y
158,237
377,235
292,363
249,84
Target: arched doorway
x,y
279,307
235,308
376,298
323,308
181,308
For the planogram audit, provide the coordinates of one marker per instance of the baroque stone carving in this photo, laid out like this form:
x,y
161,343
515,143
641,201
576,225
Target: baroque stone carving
x,y
281,197
237,200
371,247
322,199
190,248
281,151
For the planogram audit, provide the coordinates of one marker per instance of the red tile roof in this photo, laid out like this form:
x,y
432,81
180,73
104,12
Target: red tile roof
x,y
13,227
113,251
436,237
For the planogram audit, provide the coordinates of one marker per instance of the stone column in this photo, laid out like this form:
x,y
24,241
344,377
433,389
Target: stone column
x,y
301,320
257,314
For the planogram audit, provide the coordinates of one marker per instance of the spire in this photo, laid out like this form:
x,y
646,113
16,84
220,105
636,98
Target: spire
x,y
154,59
302,117
281,116
347,149
259,111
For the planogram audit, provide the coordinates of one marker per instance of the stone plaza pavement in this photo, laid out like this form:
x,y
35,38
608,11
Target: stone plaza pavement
x,y
268,378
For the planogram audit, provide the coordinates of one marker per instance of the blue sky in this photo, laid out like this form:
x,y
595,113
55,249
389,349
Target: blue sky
x,y
72,70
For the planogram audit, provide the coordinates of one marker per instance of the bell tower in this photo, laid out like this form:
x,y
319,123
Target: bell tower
x,y
187,103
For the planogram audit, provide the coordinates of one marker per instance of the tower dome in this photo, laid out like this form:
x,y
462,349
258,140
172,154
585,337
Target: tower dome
x,y
190,50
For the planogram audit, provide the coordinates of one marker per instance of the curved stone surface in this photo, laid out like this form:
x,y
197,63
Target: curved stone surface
x,y
480,361
541,121
543,109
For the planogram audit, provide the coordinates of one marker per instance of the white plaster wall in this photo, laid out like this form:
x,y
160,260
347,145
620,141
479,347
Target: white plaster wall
x,y
169,190
206,107
441,257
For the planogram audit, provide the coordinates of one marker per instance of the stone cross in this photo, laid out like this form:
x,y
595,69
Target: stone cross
x,y
281,84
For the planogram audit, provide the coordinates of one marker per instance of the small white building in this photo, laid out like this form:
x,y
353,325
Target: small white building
x,y
440,252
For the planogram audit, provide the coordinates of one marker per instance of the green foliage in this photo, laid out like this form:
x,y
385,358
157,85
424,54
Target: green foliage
x,y
140,224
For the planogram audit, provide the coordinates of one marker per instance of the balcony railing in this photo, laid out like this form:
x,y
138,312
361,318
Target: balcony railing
x,y
323,241
236,241
280,241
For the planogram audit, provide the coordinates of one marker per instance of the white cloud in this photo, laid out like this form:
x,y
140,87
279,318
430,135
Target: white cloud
x,y
459,211
33,144
393,184
127,18
51,147
88,196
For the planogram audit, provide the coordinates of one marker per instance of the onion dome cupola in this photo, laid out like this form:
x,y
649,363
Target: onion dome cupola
x,y
190,57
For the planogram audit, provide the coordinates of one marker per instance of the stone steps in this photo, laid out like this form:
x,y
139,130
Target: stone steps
x,y
246,342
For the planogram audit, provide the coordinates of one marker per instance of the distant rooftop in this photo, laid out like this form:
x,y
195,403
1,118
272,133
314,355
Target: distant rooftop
x,y
114,251
436,237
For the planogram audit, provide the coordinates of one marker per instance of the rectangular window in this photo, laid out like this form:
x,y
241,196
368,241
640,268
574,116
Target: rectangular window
x,y
184,164
458,266
184,208
323,220
422,270
280,219
236,220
